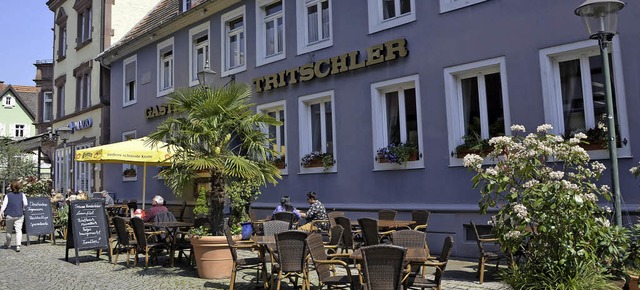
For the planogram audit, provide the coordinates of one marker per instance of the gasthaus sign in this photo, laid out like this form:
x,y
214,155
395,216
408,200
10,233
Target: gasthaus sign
x,y
379,53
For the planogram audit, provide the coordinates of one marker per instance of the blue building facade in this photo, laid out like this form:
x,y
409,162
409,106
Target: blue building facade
x,y
351,77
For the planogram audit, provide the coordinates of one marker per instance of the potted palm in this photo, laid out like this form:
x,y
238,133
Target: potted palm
x,y
215,129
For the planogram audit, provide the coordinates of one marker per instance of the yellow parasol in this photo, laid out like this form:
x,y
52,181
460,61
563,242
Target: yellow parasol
x,y
136,151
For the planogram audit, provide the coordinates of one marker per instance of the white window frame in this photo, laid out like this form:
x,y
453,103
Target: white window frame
x,y
261,35
161,59
84,81
24,131
455,102
193,51
376,16
450,5
47,106
186,5
303,38
304,129
226,34
8,101
551,90
59,173
126,101
276,107
81,168
129,135
379,120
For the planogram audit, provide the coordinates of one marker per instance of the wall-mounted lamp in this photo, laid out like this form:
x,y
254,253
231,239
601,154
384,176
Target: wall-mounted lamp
x,y
205,76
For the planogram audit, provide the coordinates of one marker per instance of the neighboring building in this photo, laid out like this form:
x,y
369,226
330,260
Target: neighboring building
x,y
80,100
351,77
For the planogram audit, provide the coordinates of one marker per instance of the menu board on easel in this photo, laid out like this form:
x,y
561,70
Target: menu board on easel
x,y
87,227
38,217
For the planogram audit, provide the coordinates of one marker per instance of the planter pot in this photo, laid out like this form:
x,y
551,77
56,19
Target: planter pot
x,y
213,257
315,163
247,230
633,282
412,157
461,153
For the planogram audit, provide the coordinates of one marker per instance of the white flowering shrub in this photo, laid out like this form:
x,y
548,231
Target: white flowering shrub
x,y
544,188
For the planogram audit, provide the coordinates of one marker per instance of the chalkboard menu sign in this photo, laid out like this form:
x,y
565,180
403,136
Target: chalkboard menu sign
x,y
38,217
87,226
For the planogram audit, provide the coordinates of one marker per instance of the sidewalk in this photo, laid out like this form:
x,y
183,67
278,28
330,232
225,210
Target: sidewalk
x,y
42,266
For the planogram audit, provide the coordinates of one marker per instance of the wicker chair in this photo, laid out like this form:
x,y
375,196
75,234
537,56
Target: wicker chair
x,y
255,223
242,263
293,263
486,255
415,280
387,214
275,226
335,236
332,217
383,267
411,239
143,239
348,242
370,232
421,219
286,216
124,241
325,266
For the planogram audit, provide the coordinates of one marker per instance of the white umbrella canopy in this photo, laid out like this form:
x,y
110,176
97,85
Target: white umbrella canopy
x,y
136,151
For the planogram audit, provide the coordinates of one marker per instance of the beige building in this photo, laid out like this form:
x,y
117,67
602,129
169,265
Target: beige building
x,y
80,100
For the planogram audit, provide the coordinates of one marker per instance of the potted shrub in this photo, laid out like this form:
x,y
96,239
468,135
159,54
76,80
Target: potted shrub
x,y
241,194
473,143
129,172
318,159
216,129
279,162
398,153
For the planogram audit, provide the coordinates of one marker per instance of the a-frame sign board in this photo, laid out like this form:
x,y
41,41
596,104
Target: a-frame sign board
x,y
87,227
39,218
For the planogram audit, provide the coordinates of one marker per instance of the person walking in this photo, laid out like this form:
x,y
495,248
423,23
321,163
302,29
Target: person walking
x,y
13,211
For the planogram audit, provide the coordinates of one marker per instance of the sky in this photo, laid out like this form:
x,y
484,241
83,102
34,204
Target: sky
x,y
25,27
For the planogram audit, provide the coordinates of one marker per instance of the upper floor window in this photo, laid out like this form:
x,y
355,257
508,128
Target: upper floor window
x,y
234,42
317,129
83,85
199,53
574,92
165,67
47,106
129,86
61,22
478,103
314,25
448,5
186,5
384,14
85,27
397,118
270,31
277,134
8,101
20,131
60,95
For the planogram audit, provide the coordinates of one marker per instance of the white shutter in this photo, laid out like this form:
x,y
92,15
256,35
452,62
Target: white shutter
x,y
12,130
27,131
2,130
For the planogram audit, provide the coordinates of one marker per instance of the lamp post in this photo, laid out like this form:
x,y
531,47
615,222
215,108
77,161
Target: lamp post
x,y
63,134
205,76
601,19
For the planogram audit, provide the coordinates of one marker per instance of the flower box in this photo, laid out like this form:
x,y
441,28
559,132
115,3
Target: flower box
x,y
315,163
279,162
129,172
412,157
461,153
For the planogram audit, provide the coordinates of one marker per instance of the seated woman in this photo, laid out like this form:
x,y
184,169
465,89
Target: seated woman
x,y
285,205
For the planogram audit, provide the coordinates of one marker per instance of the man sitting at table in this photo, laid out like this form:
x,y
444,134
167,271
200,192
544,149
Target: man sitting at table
x,y
316,212
156,207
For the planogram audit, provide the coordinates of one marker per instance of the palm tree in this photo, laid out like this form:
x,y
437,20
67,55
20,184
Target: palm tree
x,y
216,130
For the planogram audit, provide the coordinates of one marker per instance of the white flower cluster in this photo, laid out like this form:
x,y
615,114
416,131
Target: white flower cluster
x,y
517,128
473,161
603,221
491,171
606,209
598,167
556,175
500,141
512,235
605,188
568,185
544,128
530,183
574,141
602,126
520,210
635,170
578,199
590,197
580,136
558,139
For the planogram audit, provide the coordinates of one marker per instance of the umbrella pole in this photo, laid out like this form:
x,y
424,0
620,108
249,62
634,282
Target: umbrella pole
x,y
144,185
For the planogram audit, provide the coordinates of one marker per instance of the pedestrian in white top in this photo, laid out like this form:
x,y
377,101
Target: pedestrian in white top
x,y
12,210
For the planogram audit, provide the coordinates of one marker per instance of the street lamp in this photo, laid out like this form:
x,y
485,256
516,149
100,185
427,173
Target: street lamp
x,y
205,76
601,19
63,134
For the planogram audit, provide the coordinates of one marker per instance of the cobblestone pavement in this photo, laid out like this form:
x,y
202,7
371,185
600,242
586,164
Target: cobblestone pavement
x,y
43,266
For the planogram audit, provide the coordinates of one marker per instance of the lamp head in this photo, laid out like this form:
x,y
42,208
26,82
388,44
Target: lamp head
x,y
205,76
600,16
63,133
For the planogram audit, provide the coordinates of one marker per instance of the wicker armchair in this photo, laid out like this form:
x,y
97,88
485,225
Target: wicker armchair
x,y
335,236
146,243
332,217
421,219
124,241
293,263
383,267
242,263
387,214
415,280
486,255
274,227
370,232
325,267
348,242
411,239
286,216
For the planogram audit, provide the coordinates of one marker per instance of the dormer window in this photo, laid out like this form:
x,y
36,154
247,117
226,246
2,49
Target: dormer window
x,y
8,101
186,5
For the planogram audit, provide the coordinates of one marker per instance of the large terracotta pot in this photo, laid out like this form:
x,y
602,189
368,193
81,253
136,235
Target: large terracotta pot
x,y
633,282
213,258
